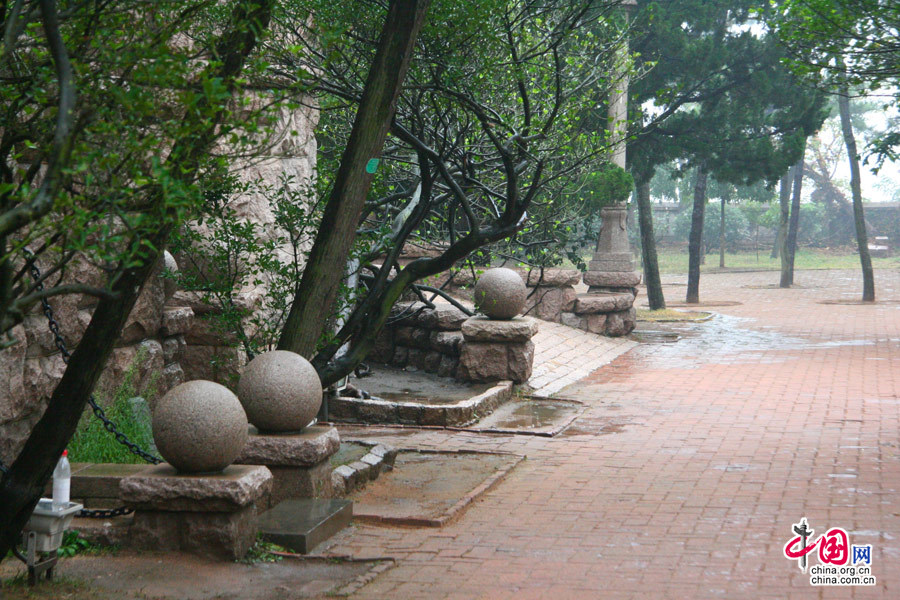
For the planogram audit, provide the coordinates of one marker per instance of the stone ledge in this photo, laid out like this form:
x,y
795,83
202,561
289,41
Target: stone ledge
x,y
612,278
304,449
551,277
589,304
482,329
162,488
348,478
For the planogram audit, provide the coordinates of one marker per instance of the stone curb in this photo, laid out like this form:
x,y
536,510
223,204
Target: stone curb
x,y
385,412
366,578
346,479
455,511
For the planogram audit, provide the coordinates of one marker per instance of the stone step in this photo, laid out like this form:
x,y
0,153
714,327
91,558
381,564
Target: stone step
x,y
303,524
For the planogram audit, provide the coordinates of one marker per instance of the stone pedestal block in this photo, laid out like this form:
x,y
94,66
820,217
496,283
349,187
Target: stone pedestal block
x,y
612,279
495,350
589,304
496,361
299,462
482,329
553,277
210,515
548,303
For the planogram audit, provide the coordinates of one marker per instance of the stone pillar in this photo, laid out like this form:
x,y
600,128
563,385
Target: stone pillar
x,y
497,350
612,268
299,462
212,515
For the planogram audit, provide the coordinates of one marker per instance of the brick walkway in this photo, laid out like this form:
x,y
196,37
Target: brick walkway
x,y
563,355
683,478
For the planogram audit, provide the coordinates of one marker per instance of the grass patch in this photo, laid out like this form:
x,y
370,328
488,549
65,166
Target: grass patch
x,y
676,261
92,443
670,315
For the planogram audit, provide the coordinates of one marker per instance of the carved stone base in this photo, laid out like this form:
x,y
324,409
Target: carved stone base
x,y
299,461
211,515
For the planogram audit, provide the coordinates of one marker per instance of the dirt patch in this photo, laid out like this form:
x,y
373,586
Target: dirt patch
x,y
430,488
183,577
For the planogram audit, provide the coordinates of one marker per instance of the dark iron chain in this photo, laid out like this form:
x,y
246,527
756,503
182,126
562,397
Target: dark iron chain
x,y
108,424
105,513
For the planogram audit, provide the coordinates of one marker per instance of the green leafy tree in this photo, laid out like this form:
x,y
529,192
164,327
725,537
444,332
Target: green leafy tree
x,y
718,99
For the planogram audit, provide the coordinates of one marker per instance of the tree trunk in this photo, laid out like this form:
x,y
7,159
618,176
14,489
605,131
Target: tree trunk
x,y
859,218
315,296
784,202
722,235
695,241
648,247
789,249
22,486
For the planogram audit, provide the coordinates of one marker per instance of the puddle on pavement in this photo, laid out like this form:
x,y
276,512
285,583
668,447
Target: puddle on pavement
x,y
418,489
348,453
597,427
651,336
726,339
531,415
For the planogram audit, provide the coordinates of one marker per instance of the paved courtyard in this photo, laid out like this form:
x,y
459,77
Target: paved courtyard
x,y
684,476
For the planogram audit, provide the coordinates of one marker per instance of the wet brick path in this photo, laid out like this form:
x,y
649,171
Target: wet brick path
x,y
683,478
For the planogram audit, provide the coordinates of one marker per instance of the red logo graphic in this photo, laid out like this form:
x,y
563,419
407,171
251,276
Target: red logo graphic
x,y
834,545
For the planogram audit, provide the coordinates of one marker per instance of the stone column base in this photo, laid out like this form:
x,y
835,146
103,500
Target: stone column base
x,y
211,515
299,461
494,350
603,312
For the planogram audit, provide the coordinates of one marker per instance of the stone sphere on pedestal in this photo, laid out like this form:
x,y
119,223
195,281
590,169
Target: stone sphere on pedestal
x,y
500,293
280,391
199,427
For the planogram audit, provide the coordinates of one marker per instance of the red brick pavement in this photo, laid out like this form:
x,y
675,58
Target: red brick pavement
x,y
683,478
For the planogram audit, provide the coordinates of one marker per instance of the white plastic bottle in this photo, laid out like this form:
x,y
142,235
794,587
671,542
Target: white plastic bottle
x,y
62,480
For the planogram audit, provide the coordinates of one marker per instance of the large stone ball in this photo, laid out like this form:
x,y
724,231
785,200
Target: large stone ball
x,y
280,391
500,293
199,427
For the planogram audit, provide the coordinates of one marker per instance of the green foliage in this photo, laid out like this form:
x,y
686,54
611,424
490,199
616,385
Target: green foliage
x,y
262,552
609,185
73,544
224,252
813,227
717,94
94,444
736,226
845,43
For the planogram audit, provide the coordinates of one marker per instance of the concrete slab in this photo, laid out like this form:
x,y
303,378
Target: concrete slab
x,y
303,524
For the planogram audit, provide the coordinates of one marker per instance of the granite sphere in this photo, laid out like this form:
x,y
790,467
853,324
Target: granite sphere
x,y
199,427
500,293
280,391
